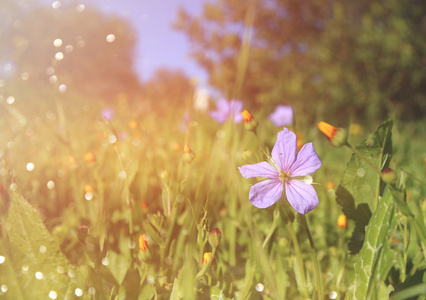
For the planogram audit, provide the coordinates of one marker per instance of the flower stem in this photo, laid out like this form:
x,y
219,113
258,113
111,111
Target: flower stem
x,y
302,220
298,255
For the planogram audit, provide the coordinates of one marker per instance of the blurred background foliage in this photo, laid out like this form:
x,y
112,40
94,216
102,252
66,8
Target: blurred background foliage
x,y
334,60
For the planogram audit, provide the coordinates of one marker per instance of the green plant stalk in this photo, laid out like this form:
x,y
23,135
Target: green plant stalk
x,y
298,258
206,266
128,202
246,291
273,227
303,221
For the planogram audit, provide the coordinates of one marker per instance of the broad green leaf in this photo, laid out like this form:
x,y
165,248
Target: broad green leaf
x,y
45,269
368,270
360,188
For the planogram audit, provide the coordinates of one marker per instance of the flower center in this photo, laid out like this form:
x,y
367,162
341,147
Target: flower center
x,y
284,176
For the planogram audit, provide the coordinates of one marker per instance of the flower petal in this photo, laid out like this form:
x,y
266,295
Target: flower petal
x,y
301,196
266,193
284,151
262,169
307,161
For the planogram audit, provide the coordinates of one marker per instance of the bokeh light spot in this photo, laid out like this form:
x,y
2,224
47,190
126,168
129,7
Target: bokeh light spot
x,y
25,268
69,48
53,295
259,287
4,288
56,4
39,275
10,100
122,175
105,261
59,56
53,79
360,172
332,295
50,185
62,88
30,167
13,187
25,76
42,249
88,196
112,139
78,292
80,8
57,43
110,38
2,259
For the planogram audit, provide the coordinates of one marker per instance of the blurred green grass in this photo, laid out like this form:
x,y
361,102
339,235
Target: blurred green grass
x,y
209,192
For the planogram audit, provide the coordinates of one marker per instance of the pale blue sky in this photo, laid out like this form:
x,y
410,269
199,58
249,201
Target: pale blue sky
x,y
158,44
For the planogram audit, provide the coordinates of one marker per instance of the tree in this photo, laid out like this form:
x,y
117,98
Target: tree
x,y
85,50
360,59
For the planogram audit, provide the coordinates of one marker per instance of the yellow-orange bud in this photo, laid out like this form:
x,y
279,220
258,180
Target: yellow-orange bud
x,y
206,257
342,221
188,154
250,124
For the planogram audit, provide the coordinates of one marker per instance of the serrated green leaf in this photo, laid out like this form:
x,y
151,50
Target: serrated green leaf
x,y
40,253
360,188
368,272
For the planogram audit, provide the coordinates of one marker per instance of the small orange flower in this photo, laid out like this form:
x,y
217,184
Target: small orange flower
x,y
144,206
337,136
342,222
247,117
143,246
89,157
206,257
328,130
88,188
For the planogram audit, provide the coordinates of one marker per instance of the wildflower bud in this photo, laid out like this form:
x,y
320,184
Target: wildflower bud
x,y
144,253
214,237
206,257
250,124
337,136
342,221
389,175
143,246
188,154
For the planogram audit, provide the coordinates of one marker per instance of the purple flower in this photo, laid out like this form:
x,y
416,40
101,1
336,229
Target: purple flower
x,y
282,116
227,109
285,172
